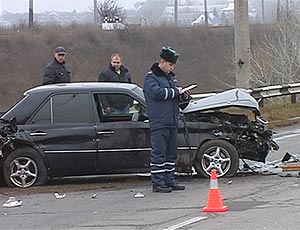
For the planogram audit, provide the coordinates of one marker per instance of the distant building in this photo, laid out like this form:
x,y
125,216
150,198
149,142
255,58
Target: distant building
x,y
113,24
3,22
189,13
212,20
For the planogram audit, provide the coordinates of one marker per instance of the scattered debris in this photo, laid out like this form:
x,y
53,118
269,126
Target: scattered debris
x,y
59,196
139,195
289,174
230,182
12,202
94,196
288,166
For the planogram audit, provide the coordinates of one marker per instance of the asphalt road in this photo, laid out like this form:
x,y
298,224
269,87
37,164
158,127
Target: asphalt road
x,y
255,201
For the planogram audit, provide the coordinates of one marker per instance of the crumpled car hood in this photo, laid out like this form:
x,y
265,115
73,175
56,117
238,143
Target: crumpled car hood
x,y
229,98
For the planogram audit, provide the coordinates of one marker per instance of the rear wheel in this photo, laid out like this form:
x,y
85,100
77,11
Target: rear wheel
x,y
23,168
219,155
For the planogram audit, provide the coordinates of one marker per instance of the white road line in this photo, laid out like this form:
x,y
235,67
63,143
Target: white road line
x,y
185,223
285,137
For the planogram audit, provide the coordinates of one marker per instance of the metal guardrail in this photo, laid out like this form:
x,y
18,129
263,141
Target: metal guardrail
x,y
263,92
276,90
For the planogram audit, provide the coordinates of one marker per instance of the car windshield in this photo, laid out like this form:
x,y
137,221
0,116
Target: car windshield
x,y
19,112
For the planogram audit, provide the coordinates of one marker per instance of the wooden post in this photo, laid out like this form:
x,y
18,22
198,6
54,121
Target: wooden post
x,y
293,98
287,8
95,13
30,24
262,11
205,13
278,11
176,12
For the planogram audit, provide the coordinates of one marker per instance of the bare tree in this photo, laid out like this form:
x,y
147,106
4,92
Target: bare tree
x,y
110,10
277,59
152,10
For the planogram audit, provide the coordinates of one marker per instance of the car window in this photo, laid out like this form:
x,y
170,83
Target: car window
x,y
43,116
71,108
64,108
117,107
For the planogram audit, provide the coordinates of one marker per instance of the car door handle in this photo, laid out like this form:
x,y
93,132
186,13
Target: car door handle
x,y
38,133
106,132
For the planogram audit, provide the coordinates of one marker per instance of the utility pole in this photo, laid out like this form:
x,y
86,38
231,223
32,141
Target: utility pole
x,y
278,11
176,12
287,9
95,13
242,43
30,24
205,13
262,11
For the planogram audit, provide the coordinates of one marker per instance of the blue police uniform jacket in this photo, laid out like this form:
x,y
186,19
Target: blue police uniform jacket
x,y
162,98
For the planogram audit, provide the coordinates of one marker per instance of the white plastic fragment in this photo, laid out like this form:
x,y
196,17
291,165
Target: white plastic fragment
x,y
139,195
284,167
12,202
94,196
59,196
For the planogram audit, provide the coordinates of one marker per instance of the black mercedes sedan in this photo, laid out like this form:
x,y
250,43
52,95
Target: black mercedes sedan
x,y
64,130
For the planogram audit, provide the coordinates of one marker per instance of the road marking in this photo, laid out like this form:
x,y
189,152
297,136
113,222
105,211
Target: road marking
x,y
185,223
285,137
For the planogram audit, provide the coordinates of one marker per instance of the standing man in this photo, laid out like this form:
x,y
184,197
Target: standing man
x,y
163,97
116,72
56,71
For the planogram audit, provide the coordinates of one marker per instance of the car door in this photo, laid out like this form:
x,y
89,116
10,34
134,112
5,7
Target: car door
x,y
123,139
63,128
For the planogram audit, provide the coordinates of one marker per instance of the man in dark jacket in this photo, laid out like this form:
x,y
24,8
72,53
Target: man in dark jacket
x,y
163,97
56,71
116,72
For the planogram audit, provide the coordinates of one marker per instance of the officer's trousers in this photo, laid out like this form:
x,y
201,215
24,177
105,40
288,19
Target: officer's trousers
x,y
163,156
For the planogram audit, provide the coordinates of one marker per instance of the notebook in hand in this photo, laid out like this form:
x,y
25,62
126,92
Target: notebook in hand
x,y
190,87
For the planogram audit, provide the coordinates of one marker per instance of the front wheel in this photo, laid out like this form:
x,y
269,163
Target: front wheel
x,y
23,168
219,155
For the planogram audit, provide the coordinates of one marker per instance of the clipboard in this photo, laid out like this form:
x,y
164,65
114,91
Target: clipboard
x,y
190,87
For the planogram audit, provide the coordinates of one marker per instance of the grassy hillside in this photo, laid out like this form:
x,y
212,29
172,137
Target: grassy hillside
x,y
206,55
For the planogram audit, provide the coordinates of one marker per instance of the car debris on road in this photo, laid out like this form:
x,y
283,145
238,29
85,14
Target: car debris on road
x,y
289,165
94,196
12,202
59,196
139,195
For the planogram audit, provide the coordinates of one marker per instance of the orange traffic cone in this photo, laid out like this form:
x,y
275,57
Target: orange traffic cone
x,y
214,200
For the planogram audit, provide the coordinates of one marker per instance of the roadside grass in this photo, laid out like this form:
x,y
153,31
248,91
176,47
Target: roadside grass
x,y
277,113
281,114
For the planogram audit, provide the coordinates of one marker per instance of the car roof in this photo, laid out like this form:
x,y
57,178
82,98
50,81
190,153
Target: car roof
x,y
81,86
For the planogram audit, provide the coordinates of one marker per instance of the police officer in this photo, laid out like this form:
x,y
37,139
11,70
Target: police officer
x,y
163,97
56,71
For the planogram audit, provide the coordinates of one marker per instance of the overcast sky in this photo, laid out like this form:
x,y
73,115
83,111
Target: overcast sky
x,y
55,5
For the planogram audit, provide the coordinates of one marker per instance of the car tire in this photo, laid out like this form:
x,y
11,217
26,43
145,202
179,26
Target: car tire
x,y
2,181
218,154
23,168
